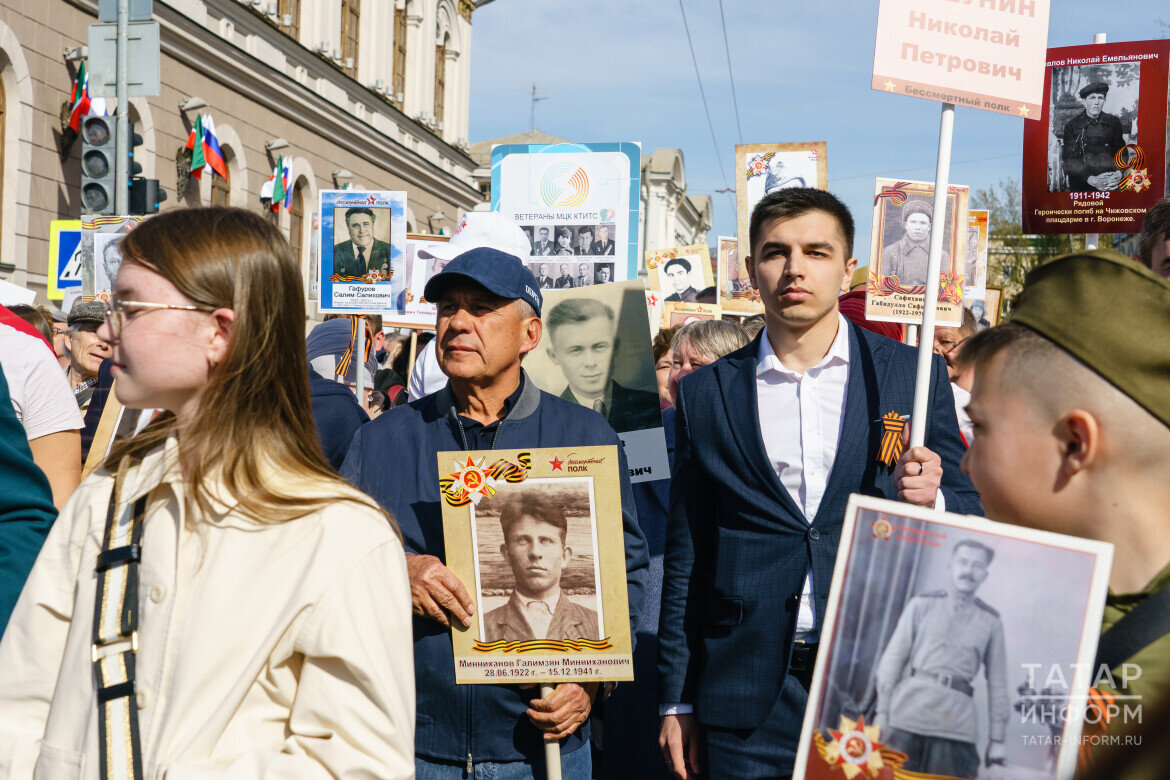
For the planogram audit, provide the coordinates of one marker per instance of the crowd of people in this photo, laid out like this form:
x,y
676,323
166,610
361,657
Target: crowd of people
x,y
250,580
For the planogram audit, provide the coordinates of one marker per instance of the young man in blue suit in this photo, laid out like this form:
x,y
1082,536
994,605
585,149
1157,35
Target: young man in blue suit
x,y
770,442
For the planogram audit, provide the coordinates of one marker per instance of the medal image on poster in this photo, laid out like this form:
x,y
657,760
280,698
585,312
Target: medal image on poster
x,y
537,537
950,641
361,255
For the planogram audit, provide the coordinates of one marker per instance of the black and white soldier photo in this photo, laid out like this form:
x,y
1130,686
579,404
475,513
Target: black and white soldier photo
x,y
944,639
906,242
602,273
584,245
582,341
584,276
1093,115
947,636
107,258
542,245
543,273
680,284
564,277
603,243
564,241
537,562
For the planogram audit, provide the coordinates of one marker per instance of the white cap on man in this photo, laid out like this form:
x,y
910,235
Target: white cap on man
x,y
477,229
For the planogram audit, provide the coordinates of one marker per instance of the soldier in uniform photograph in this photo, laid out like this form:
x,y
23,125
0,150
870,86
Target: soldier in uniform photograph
x,y
536,549
543,279
906,258
925,698
584,240
604,273
778,176
1091,141
582,341
584,278
565,280
564,241
678,273
543,245
604,244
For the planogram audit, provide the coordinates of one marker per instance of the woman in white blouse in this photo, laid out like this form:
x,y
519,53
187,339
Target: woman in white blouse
x,y
252,609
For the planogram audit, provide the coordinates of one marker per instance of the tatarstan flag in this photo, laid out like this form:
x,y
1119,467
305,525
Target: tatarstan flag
x,y
79,99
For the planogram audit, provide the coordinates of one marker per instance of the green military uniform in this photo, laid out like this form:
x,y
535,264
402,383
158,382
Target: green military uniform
x,y
1152,662
925,700
1126,347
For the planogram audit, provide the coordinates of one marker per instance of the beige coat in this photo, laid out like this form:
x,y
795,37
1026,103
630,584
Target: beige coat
x,y
275,651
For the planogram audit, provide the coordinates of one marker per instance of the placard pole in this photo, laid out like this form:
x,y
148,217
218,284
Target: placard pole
x,y
1093,239
552,750
413,355
933,266
359,357
912,335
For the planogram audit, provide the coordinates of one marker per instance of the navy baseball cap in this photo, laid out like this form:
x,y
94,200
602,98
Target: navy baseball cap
x,y
498,272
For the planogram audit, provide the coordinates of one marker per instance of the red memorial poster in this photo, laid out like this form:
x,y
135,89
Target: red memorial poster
x,y
1094,161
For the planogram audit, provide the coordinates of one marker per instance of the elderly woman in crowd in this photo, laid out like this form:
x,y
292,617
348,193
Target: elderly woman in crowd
x,y
204,605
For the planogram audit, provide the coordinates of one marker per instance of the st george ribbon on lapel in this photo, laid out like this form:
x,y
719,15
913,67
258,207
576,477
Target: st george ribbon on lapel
x,y
891,447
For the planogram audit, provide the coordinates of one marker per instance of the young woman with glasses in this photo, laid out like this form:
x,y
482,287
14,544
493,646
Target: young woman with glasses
x,y
216,600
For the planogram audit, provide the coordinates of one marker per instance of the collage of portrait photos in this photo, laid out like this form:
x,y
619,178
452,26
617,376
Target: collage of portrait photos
x,y
566,256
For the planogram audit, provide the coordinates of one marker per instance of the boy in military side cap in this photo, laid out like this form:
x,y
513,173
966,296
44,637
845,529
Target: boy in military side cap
x,y
1071,407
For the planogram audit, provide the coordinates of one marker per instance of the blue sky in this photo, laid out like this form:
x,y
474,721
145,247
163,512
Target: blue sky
x,y
623,72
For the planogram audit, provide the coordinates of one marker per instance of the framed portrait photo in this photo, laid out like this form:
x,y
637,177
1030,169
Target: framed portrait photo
x,y
101,255
596,351
1095,159
764,168
903,218
975,254
361,253
680,273
422,262
537,536
986,309
736,294
949,640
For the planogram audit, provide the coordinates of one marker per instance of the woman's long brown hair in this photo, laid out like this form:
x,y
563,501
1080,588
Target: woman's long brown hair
x,y
254,416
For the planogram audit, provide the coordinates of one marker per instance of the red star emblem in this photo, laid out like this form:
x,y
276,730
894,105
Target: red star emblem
x,y
556,463
652,300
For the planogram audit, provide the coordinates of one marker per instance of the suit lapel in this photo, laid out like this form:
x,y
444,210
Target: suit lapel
x,y
860,431
738,378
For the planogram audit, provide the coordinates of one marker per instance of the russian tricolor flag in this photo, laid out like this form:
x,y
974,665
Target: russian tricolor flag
x,y
211,150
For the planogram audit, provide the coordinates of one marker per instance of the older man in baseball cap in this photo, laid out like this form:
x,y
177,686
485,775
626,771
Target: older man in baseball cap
x,y
476,229
488,318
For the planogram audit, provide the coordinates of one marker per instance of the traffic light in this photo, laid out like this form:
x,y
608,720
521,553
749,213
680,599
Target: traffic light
x,y
145,195
135,140
98,146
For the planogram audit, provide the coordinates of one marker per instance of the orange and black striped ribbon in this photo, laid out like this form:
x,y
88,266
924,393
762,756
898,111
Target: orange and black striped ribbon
x,y
347,356
543,646
891,446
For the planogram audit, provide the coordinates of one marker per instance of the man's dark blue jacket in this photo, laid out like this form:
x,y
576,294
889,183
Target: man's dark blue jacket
x,y
337,415
394,460
737,544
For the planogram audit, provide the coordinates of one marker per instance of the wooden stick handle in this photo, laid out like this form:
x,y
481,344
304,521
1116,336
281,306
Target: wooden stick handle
x,y
552,750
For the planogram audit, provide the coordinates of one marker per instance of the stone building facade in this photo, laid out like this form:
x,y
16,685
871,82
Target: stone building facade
x,y
370,93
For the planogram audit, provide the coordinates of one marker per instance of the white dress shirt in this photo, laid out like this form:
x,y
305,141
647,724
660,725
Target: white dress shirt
x,y
800,421
966,427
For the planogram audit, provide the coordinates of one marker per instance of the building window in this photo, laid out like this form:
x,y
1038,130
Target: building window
x,y
485,189
399,87
293,9
350,11
296,219
221,188
440,79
